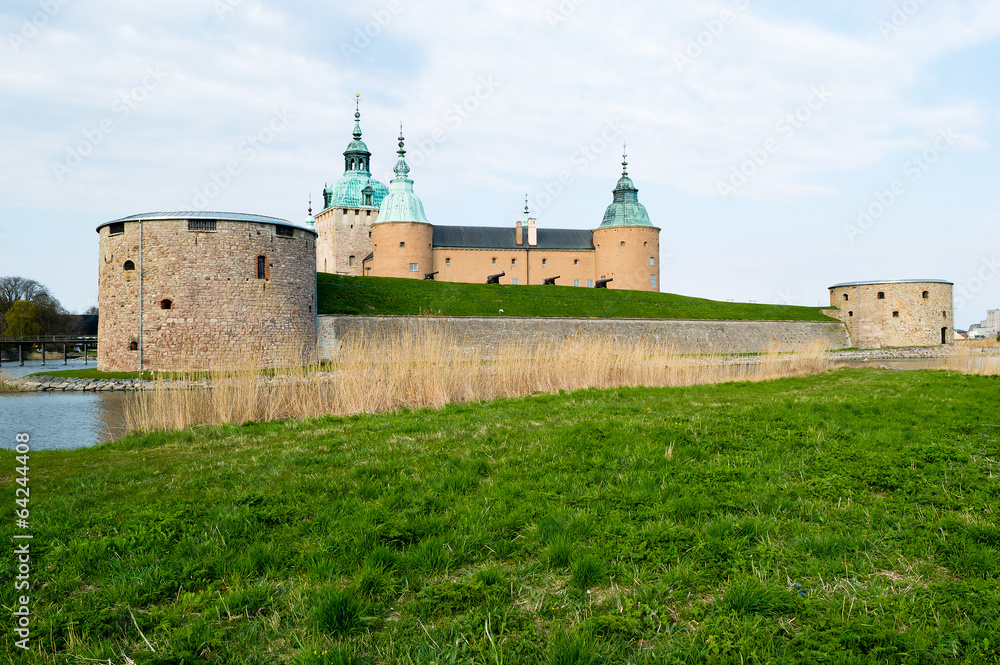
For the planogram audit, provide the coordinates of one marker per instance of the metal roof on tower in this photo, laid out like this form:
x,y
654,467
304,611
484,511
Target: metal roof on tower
x,y
625,209
401,204
357,188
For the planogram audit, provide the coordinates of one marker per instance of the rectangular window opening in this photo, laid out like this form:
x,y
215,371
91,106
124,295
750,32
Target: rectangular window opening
x,y
201,225
284,231
414,267
116,228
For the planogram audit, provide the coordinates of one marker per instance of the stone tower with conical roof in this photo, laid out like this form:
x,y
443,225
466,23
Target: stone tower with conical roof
x,y
350,206
402,237
626,244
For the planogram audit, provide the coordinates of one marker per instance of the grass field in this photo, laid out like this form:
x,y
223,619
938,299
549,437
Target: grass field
x,y
846,517
339,294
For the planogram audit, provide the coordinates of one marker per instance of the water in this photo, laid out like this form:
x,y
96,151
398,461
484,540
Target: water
x,y
59,420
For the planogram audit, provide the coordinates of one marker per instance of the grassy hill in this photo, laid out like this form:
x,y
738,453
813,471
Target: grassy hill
x,y
386,295
848,517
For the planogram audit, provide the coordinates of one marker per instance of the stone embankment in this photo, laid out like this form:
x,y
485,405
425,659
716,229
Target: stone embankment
x,y
66,384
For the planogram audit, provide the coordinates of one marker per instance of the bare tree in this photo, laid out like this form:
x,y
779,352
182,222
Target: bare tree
x,y
49,313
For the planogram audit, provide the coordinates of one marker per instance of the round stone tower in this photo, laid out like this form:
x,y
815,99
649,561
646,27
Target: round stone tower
x,y
902,312
627,245
183,291
402,236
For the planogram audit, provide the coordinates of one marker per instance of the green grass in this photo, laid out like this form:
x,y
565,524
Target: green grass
x,y
849,517
339,294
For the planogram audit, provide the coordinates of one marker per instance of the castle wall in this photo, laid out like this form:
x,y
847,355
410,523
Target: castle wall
x,y
908,314
397,245
341,234
528,265
218,307
685,336
630,255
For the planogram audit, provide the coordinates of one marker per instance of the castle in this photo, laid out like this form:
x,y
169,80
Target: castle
x,y
366,228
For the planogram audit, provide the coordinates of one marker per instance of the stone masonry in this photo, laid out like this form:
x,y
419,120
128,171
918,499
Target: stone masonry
x,y
202,303
895,313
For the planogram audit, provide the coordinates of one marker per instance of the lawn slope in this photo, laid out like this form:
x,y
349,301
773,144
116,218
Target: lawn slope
x,y
339,294
847,517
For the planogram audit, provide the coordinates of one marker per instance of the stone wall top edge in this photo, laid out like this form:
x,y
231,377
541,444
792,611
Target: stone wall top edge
x,y
563,318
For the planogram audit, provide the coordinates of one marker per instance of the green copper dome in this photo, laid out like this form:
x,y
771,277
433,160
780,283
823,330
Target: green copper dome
x,y
357,188
401,204
625,209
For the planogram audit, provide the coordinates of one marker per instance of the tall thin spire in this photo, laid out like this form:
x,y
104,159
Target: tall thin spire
x,y
526,213
401,166
624,160
310,205
357,116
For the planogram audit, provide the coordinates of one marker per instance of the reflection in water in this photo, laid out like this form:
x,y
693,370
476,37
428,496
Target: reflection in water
x,y
59,420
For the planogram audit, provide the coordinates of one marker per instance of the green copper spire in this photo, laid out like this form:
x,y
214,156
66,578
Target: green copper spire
x,y
625,209
402,168
401,204
357,188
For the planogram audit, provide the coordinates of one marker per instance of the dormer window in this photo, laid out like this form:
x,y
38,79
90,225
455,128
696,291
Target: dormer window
x,y
367,196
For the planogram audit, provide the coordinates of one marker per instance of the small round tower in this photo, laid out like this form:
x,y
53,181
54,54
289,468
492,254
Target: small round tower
x,y
627,245
402,236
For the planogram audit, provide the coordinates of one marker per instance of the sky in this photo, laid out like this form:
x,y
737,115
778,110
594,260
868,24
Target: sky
x,y
782,147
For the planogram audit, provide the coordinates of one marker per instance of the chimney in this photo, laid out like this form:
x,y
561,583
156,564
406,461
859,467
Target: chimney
x,y
518,234
532,232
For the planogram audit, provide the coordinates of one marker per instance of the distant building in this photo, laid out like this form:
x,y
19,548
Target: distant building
x,y
896,312
366,229
988,327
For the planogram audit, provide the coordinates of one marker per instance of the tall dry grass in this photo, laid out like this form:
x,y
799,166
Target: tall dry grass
x,y
981,361
977,343
421,364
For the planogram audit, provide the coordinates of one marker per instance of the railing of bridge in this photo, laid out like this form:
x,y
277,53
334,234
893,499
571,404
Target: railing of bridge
x,y
38,339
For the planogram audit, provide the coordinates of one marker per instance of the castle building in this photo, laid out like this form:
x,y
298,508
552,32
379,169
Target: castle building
x,y
184,291
366,230
895,313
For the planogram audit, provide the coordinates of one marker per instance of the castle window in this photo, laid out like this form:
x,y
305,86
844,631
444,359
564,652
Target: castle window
x,y
895,315
621,244
369,234
544,261
133,346
944,314
513,262
576,282
116,228
881,295
284,231
652,281
576,262
413,267
850,314
402,244
513,281
846,297
652,261
590,283
129,265
368,213
494,260
166,303
927,295
201,225
262,267
350,260
447,262
645,244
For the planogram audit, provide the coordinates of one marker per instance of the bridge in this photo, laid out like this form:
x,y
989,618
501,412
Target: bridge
x,y
66,341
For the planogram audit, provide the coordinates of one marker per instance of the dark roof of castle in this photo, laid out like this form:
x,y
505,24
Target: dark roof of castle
x,y
490,237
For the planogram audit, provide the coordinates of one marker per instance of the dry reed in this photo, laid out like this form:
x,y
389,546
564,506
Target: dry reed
x,y
421,364
981,361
